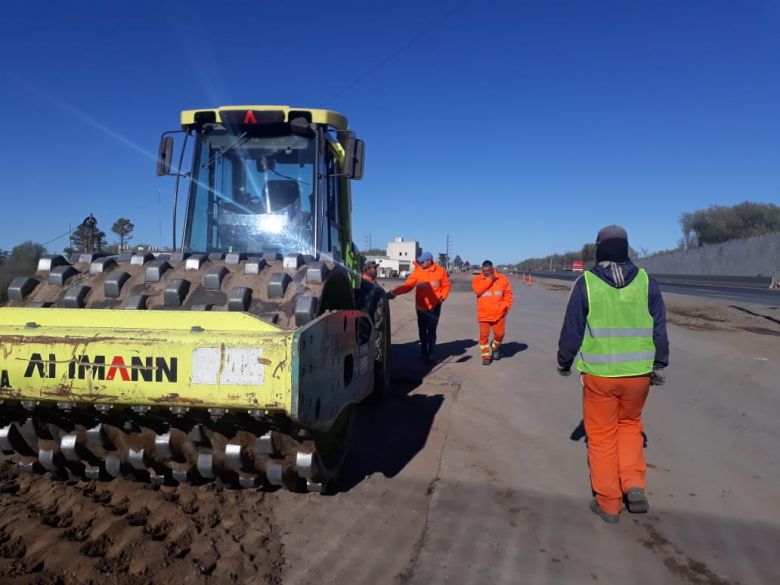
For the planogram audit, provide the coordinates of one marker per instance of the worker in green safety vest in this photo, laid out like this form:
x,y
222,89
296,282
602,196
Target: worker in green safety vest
x,y
615,331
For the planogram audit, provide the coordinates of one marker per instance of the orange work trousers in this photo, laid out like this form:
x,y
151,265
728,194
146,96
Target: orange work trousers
x,y
612,413
499,330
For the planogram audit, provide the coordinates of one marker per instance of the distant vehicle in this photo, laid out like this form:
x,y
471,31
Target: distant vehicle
x,y
403,274
577,266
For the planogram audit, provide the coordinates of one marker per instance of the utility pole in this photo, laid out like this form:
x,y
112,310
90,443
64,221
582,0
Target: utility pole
x,y
447,251
159,219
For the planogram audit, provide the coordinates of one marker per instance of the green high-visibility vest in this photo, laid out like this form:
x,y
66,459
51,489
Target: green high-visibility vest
x,y
619,329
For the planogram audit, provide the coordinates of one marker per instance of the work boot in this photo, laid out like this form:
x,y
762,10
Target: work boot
x,y
485,361
496,353
608,518
636,501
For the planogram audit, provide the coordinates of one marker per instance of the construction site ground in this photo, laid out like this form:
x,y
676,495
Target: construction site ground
x,y
464,473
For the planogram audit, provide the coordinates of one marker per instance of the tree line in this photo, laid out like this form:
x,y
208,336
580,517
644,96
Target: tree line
x,y
23,258
563,260
714,225
718,224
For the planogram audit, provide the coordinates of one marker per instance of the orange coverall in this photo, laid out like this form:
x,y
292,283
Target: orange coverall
x,y
433,288
494,300
432,284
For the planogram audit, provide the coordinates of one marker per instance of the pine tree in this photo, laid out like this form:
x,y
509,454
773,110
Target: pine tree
x,y
123,227
87,238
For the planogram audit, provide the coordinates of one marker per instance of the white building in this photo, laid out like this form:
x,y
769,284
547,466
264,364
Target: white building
x,y
405,252
388,268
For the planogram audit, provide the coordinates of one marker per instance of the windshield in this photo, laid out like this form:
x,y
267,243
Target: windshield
x,y
251,194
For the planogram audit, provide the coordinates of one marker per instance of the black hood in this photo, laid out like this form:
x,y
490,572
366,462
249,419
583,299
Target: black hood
x,y
612,244
616,274
612,250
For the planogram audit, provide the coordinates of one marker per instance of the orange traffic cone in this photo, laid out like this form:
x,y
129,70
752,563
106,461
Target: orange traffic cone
x,y
530,280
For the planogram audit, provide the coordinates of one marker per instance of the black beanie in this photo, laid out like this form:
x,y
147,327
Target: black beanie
x,y
612,244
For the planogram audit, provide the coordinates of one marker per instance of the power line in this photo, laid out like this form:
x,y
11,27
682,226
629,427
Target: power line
x,y
397,51
148,205
55,239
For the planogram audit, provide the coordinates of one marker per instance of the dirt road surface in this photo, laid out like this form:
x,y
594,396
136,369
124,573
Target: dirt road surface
x,y
464,474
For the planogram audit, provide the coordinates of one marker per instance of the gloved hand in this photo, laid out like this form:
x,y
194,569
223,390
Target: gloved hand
x,y
390,296
657,378
564,371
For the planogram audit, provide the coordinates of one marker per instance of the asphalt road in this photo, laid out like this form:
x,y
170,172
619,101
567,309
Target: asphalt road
x,y
746,291
463,474
740,295
474,474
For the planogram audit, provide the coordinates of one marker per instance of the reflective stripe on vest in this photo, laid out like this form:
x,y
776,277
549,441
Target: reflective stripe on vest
x,y
619,333
617,358
495,293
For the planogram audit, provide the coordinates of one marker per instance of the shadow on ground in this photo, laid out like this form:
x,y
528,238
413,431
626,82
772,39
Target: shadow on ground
x,y
512,348
749,312
408,365
389,433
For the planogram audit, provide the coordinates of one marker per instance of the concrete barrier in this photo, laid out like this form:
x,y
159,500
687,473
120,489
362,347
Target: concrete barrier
x,y
751,257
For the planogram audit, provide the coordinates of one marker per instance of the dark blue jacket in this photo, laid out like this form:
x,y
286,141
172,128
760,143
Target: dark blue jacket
x,y
617,276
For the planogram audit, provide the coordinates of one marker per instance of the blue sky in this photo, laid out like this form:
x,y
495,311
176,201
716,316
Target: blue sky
x,y
519,128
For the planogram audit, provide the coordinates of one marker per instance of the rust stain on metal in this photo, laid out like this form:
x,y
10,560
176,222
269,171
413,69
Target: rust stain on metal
x,y
62,391
45,362
87,398
95,396
11,393
221,360
68,340
174,397
279,366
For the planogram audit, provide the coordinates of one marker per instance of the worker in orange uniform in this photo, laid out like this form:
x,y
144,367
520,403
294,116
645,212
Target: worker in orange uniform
x,y
615,329
433,287
494,300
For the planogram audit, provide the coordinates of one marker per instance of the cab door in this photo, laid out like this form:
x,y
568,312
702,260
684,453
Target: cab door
x,y
334,230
